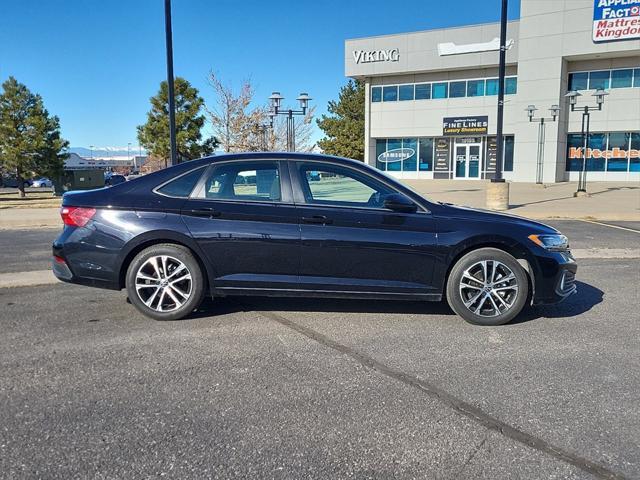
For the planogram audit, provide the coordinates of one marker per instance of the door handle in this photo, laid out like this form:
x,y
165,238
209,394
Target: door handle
x,y
317,219
208,212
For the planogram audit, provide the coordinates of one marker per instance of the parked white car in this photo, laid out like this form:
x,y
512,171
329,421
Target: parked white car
x,y
42,183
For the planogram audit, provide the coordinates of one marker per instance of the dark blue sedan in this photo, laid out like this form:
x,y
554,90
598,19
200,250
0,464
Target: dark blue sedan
x,y
284,224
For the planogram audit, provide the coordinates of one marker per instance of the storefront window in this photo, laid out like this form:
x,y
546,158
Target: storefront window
x,y
410,164
425,154
574,158
510,86
440,90
423,91
622,78
634,153
615,151
507,166
492,86
619,142
381,147
475,88
393,144
578,81
636,77
597,141
390,93
406,92
376,94
599,79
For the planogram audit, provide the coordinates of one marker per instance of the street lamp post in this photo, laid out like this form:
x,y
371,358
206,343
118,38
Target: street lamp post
x,y
275,102
170,83
531,109
263,132
586,116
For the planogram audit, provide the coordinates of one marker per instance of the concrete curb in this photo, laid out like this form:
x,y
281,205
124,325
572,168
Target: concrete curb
x,y
612,253
27,279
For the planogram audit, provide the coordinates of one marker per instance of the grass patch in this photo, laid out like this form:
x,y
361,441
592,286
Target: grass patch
x,y
32,200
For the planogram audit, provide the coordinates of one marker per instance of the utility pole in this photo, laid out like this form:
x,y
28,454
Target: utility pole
x,y
498,189
172,102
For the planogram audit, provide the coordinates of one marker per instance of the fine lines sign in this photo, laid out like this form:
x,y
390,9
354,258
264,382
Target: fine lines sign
x,y
616,20
464,126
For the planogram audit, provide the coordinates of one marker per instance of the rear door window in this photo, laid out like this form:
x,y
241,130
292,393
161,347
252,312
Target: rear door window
x,y
248,181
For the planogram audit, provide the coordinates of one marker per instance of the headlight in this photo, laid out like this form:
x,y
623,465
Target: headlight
x,y
552,242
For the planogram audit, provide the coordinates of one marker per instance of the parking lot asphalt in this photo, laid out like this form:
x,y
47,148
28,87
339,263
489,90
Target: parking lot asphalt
x,y
284,388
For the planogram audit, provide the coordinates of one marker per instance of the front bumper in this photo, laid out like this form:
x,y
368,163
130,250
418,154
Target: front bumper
x,y
555,279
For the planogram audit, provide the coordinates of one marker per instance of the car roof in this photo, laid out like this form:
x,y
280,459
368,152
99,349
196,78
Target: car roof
x,y
299,156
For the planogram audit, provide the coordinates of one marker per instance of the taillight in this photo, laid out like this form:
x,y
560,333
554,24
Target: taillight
x,y
76,216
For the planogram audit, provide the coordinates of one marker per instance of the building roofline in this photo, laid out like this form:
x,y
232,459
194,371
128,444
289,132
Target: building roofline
x,y
459,27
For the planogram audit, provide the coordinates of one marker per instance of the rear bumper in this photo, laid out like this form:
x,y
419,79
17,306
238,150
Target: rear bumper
x,y
65,271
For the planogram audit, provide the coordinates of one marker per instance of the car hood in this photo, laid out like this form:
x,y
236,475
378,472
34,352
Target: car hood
x,y
479,214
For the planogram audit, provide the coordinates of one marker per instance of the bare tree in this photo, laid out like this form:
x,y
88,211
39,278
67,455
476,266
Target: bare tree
x,y
238,125
234,122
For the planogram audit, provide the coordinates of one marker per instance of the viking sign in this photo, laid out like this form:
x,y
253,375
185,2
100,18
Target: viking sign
x,y
363,56
396,155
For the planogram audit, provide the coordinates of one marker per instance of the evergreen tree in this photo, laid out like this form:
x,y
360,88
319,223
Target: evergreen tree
x,y
30,140
154,135
344,128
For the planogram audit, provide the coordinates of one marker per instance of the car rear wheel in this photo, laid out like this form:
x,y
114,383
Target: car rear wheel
x,y
487,287
165,282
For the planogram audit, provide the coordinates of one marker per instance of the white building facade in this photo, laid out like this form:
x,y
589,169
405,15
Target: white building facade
x,y
431,96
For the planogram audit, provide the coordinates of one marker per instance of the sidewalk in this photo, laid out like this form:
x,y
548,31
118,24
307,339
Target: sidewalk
x,y
607,201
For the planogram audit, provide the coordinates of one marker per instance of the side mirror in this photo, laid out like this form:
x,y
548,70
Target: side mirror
x,y
399,203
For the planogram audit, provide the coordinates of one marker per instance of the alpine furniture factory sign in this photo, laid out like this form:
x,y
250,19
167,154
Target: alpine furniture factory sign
x,y
454,126
616,20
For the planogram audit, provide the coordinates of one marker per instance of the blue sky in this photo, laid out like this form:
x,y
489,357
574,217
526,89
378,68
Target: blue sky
x,y
96,63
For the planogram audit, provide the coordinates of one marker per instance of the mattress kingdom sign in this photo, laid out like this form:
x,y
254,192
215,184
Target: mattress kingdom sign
x,y
456,126
616,20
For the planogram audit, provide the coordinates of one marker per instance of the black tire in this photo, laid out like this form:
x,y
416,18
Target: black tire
x,y
174,255
511,300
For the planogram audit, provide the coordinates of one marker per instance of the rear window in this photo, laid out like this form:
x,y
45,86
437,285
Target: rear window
x,y
183,185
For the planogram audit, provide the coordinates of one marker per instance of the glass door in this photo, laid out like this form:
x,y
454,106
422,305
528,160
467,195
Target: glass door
x,y
461,161
467,158
473,161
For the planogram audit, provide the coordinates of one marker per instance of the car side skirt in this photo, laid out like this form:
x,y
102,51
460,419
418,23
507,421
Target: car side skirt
x,y
292,292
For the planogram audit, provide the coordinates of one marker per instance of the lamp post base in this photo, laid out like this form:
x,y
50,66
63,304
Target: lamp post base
x,y
581,193
498,195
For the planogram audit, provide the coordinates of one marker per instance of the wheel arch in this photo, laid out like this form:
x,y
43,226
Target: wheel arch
x,y
156,238
513,248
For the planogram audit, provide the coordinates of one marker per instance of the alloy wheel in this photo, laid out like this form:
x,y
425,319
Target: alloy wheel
x,y
163,283
488,288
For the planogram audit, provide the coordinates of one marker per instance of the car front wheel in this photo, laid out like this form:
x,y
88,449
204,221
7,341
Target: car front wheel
x,y
487,287
165,282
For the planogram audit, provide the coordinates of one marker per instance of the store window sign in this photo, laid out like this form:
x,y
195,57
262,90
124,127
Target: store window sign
x,y
616,20
396,155
454,126
576,152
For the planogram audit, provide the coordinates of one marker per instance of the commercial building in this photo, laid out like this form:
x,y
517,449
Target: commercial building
x,y
431,96
76,162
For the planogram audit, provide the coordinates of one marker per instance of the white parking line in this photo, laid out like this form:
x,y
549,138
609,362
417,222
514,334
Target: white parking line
x,y
610,226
